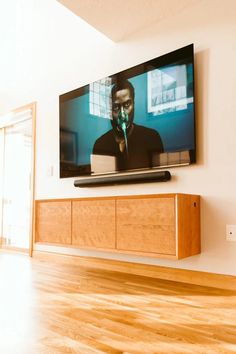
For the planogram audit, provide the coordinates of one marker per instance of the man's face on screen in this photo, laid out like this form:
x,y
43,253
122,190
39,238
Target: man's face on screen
x,y
122,105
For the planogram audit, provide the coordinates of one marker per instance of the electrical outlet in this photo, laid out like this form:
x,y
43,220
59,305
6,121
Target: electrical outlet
x,y
231,232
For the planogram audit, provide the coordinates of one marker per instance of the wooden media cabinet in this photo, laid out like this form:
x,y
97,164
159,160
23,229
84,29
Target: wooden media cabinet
x,y
157,225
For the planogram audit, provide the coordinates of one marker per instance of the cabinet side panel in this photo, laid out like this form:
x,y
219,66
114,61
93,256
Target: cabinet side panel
x,y
146,225
93,223
188,225
53,222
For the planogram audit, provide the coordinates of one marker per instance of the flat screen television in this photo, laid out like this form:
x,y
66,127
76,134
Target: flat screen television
x,y
140,119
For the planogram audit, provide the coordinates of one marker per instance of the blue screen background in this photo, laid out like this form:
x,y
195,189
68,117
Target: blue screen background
x,y
175,128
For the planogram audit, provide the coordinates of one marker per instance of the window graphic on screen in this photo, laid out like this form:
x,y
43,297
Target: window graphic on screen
x,y
100,98
167,89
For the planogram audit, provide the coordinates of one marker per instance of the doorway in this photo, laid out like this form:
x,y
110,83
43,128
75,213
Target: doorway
x,y
17,145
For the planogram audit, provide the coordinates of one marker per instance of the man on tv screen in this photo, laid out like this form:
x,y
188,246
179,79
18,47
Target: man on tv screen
x,y
132,145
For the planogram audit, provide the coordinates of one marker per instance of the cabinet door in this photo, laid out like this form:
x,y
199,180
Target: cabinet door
x,y
93,223
146,225
53,222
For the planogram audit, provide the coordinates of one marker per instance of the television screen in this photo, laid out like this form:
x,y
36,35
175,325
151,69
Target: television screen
x,y
141,118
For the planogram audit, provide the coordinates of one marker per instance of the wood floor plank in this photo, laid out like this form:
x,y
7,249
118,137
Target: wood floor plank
x,y
61,307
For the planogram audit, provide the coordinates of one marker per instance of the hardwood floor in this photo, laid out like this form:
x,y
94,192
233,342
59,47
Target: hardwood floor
x,y
61,307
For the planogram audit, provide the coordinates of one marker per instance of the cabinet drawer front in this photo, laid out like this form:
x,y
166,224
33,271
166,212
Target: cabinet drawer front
x,y
146,225
53,222
93,223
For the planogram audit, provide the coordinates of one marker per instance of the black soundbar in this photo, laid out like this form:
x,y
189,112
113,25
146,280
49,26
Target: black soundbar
x,y
157,176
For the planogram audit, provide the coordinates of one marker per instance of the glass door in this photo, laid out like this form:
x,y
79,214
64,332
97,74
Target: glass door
x,y
16,182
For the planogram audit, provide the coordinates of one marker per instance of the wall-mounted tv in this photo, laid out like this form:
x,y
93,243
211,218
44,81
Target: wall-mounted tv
x,y
139,119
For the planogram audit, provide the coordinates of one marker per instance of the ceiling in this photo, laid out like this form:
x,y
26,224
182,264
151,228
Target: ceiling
x,y
118,19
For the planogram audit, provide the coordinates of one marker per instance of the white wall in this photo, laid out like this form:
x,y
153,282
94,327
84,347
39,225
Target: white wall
x,y
47,51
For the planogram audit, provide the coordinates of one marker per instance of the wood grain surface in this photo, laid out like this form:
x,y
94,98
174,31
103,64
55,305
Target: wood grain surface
x,y
146,225
161,225
53,222
57,306
93,223
188,222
